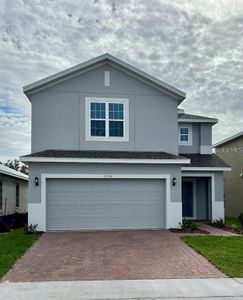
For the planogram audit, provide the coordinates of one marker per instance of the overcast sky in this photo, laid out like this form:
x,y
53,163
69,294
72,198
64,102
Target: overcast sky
x,y
196,46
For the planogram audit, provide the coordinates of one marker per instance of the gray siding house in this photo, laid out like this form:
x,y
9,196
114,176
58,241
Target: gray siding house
x,y
231,151
111,150
13,191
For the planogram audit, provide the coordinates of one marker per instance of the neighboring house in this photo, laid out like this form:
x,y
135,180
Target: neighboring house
x,y
231,151
13,191
107,154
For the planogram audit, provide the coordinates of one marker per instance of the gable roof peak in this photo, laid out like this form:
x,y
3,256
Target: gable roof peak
x,y
96,61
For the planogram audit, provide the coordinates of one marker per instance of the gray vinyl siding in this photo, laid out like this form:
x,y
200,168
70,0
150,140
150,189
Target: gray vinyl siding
x,y
201,136
74,204
36,169
195,147
58,114
205,134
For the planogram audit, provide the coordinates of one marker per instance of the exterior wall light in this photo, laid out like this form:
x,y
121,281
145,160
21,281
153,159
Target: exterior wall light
x,y
174,181
36,181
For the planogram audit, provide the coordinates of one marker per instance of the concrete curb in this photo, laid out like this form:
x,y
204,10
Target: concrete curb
x,y
222,288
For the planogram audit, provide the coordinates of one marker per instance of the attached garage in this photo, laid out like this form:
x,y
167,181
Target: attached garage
x,y
79,204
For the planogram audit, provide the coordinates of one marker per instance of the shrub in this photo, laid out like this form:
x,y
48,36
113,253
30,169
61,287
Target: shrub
x,y
188,224
233,226
194,226
30,229
241,219
219,223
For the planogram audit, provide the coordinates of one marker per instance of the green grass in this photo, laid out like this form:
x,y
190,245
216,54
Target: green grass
x,y
12,245
226,253
229,221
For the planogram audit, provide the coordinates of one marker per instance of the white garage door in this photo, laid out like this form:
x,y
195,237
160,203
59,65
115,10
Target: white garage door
x,y
76,204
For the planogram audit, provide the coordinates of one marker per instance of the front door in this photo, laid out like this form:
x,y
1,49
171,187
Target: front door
x,y
187,198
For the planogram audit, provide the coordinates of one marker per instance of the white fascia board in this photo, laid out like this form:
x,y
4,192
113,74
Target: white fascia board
x,y
228,139
206,169
105,160
74,71
214,121
8,171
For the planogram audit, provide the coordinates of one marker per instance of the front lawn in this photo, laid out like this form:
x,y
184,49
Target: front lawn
x,y
230,221
226,253
12,245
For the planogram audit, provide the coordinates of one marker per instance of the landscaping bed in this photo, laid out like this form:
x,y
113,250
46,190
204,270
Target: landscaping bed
x,y
188,226
231,224
13,244
226,253
189,230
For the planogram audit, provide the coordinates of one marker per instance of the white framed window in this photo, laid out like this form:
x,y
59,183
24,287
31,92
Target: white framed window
x,y
106,119
185,135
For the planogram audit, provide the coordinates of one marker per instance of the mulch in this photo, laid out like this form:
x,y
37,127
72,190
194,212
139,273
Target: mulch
x,y
188,230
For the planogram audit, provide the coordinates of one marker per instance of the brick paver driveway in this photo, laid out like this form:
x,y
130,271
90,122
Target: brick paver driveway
x,y
110,255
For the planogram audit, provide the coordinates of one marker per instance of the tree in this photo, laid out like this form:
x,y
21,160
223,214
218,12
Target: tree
x,y
16,165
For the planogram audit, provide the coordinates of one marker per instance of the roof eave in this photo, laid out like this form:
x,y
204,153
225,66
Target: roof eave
x,y
225,141
104,160
15,175
213,121
223,169
74,71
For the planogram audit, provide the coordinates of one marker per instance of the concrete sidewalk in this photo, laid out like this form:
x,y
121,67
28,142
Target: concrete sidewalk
x,y
223,288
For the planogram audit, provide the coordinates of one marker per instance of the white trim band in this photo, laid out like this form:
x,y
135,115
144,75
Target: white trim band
x,y
13,173
197,121
205,149
105,160
205,169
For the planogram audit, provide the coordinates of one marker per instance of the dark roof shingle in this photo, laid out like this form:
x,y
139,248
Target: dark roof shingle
x,y
105,154
206,161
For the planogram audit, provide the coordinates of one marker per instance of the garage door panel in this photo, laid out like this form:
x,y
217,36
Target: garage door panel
x,y
97,198
116,222
74,204
87,185
101,210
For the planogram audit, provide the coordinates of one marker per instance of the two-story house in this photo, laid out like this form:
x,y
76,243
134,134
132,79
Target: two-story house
x,y
111,150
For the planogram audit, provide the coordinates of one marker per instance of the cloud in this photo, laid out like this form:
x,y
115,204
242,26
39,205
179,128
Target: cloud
x,y
195,45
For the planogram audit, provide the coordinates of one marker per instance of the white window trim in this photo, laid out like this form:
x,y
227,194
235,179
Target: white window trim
x,y
184,143
39,211
107,138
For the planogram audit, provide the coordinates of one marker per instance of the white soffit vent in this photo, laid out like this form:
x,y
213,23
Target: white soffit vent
x,y
107,78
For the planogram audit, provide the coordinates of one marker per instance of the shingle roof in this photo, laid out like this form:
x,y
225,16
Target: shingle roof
x,y
205,161
104,154
188,117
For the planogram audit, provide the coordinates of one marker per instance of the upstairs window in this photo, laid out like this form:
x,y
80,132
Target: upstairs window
x,y
97,117
107,119
185,135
